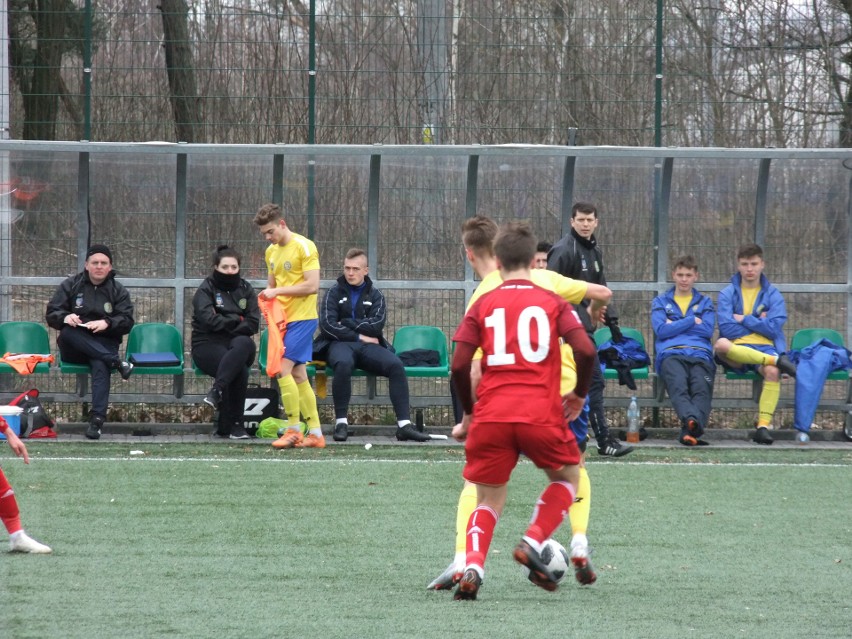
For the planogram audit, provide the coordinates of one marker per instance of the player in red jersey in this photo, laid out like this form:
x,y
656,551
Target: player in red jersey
x,y
518,408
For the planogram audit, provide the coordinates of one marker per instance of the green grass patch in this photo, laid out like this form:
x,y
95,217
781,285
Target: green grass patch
x,y
243,541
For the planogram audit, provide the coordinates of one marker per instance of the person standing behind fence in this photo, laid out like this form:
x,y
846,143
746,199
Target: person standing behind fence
x,y
752,314
294,275
352,317
578,256
92,312
225,315
683,321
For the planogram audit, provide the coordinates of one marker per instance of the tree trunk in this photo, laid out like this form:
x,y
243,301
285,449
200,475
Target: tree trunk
x,y
181,71
41,102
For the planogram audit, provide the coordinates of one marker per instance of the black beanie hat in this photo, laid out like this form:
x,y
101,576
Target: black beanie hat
x,y
99,248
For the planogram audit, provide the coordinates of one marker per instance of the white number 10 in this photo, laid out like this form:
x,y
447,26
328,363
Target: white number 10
x,y
497,322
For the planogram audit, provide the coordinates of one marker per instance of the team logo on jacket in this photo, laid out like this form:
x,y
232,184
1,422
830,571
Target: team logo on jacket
x,y
107,307
242,304
78,303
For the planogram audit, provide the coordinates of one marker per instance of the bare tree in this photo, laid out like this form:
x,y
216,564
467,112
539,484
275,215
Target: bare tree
x,y
181,70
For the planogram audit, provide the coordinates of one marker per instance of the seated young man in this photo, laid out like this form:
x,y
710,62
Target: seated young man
x,y
352,317
751,315
683,321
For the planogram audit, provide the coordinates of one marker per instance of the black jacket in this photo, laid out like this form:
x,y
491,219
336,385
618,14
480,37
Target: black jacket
x,y
581,259
108,301
336,321
218,314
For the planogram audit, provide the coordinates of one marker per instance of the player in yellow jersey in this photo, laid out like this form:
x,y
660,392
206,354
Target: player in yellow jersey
x,y
292,261
478,235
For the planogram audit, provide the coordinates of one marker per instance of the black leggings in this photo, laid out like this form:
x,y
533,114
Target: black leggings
x,y
228,365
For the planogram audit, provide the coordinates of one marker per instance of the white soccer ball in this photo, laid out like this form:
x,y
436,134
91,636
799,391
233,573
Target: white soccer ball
x,y
555,557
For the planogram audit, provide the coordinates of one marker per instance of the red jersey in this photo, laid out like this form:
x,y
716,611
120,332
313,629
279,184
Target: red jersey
x,y
518,326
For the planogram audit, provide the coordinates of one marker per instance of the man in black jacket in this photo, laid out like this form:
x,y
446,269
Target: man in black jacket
x,y
578,256
351,319
93,312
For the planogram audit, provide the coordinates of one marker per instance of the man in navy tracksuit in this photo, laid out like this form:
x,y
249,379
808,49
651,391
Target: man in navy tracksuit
x,y
351,317
683,321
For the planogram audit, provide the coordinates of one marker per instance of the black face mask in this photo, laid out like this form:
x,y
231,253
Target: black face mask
x,y
225,281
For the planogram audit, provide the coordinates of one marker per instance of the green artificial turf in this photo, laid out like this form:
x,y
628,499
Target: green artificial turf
x,y
243,541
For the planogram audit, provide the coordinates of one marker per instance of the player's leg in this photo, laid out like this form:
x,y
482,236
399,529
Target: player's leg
x,y
702,376
480,531
466,505
675,371
19,541
767,403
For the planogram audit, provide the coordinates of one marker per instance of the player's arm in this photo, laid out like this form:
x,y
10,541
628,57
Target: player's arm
x,y
14,441
308,286
462,359
599,297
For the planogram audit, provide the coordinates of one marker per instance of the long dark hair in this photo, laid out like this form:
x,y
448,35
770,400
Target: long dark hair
x,y
223,250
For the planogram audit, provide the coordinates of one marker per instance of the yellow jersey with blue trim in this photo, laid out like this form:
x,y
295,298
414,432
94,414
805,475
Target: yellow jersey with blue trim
x,y
573,291
288,265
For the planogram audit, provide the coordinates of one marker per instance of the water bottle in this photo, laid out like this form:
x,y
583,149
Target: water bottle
x,y
633,421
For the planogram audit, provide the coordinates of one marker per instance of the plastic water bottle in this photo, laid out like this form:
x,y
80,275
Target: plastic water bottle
x,y
633,421
803,438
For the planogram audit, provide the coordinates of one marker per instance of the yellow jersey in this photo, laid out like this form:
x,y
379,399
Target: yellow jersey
x,y
573,291
288,265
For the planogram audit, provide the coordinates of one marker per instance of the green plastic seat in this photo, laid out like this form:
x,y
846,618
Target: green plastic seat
x,y
408,338
156,337
603,335
24,337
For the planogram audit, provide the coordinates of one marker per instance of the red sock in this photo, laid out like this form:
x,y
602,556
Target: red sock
x,y
550,510
9,513
480,530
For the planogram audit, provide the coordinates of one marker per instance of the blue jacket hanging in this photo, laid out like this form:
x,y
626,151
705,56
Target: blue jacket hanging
x,y
814,363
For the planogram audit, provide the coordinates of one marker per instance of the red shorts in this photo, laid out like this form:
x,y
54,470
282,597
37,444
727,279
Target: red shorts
x,y
492,449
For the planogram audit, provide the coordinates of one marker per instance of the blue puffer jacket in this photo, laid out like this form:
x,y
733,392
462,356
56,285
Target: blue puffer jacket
x,y
682,336
769,300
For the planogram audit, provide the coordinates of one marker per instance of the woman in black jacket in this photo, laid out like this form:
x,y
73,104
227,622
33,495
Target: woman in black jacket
x,y
225,316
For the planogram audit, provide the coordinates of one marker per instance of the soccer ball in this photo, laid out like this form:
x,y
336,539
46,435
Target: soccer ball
x,y
555,557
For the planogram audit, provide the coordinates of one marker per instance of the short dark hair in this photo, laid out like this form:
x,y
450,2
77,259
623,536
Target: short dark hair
x,y
543,247
686,261
584,207
270,212
515,245
352,253
478,233
223,250
749,250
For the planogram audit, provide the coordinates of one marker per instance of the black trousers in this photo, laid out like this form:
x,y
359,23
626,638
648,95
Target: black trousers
x,y
345,357
228,364
689,383
79,345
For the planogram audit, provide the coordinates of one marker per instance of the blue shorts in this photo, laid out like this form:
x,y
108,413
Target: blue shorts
x,y
299,341
580,426
769,349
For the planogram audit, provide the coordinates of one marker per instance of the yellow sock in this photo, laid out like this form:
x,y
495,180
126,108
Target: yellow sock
x,y
467,504
289,399
745,355
308,407
768,401
579,513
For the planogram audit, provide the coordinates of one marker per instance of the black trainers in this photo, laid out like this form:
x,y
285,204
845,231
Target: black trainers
x,y
94,429
762,436
786,366
468,586
124,369
238,432
213,398
614,448
528,556
408,433
341,432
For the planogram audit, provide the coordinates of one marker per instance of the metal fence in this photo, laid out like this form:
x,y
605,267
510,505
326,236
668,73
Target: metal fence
x,y
645,72
164,207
